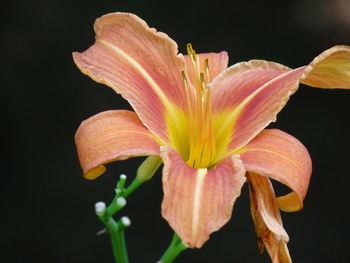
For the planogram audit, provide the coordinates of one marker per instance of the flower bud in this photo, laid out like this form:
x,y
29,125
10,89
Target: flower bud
x,y
100,208
148,168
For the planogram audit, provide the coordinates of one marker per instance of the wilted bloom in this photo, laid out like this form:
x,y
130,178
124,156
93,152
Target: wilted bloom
x,y
206,121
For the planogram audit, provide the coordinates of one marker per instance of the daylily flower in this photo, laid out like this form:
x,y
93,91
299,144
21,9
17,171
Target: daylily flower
x,y
207,122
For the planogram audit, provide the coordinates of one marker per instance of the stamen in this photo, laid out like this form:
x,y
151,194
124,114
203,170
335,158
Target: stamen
x,y
191,52
202,142
189,107
206,65
195,63
203,84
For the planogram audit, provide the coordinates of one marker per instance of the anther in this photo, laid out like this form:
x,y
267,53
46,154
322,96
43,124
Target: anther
x,y
191,52
184,79
206,65
203,84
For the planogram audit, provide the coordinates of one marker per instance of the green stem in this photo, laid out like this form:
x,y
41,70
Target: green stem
x,y
116,232
175,248
116,229
132,187
113,208
145,172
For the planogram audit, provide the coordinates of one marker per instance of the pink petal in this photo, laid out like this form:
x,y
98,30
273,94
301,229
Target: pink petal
x,y
199,202
139,63
267,219
282,157
110,136
330,70
247,96
217,62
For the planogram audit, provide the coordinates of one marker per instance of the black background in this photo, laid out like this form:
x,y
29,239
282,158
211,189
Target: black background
x,y
47,210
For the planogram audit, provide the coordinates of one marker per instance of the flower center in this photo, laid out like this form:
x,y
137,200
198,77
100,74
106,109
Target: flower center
x,y
202,147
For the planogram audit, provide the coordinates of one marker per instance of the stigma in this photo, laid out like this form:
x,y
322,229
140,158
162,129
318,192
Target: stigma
x,y
202,147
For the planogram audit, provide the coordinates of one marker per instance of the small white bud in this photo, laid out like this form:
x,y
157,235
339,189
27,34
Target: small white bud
x,y
123,176
100,208
121,201
126,221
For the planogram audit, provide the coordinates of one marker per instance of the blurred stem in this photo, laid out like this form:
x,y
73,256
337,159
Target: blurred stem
x,y
116,229
116,232
175,248
145,172
118,241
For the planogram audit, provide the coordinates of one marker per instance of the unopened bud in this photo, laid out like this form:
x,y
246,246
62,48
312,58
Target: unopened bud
x,y
121,201
148,168
100,208
125,221
121,184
